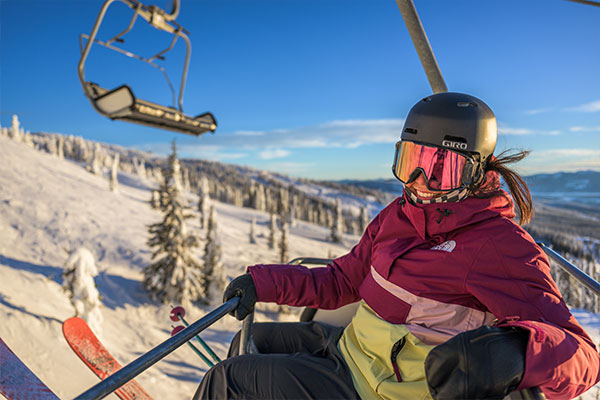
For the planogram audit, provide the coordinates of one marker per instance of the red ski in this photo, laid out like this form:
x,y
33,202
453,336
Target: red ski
x,y
19,382
88,347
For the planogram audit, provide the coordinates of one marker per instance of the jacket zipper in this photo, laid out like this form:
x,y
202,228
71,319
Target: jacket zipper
x,y
395,351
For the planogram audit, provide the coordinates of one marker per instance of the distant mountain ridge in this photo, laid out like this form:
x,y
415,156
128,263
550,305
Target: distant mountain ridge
x,y
559,182
581,181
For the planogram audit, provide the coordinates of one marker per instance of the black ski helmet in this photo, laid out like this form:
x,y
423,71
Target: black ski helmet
x,y
455,121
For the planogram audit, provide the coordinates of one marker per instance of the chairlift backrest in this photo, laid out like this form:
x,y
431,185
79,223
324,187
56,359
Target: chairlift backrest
x,y
120,103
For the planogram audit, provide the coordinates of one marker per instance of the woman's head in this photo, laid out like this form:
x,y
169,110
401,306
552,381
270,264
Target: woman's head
x,y
446,149
448,138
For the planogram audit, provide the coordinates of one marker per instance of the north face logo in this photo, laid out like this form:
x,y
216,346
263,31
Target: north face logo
x,y
446,246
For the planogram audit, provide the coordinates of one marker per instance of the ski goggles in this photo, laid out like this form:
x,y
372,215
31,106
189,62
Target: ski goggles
x,y
443,169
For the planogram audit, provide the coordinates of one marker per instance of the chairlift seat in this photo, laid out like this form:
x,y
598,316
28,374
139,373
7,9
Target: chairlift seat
x,y
121,104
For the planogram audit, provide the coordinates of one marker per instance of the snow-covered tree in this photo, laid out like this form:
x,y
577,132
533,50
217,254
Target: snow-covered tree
x,y
140,167
272,228
293,212
213,273
15,130
78,281
204,201
155,202
363,219
175,275
185,178
95,162
252,237
60,147
338,222
114,171
284,241
260,201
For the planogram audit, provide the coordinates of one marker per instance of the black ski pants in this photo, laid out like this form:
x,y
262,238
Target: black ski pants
x,y
296,360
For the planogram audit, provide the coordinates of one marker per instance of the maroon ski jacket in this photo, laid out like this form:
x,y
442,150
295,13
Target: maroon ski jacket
x,y
442,269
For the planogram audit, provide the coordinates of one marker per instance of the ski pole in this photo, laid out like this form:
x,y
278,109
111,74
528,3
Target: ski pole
x,y
146,360
202,356
178,329
202,342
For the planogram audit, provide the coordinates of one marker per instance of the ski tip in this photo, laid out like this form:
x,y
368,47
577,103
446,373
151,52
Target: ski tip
x,y
177,313
177,329
72,323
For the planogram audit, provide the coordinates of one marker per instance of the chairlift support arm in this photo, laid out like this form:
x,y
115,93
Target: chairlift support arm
x,y
157,18
422,45
121,103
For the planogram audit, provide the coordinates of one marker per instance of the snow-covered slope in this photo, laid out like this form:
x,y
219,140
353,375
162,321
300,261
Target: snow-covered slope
x,y
48,205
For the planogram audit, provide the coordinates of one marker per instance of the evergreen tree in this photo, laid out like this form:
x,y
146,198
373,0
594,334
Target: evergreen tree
x,y
175,276
253,230
204,201
114,171
15,130
337,225
213,273
78,281
155,200
284,242
94,165
272,228
364,219
60,147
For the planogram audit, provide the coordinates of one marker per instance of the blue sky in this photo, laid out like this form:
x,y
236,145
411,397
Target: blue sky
x,y
315,88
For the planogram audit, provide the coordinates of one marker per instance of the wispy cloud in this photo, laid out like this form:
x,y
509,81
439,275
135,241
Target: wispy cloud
x,y
192,150
277,143
568,153
538,111
555,160
507,130
292,168
249,133
590,107
273,153
338,133
584,129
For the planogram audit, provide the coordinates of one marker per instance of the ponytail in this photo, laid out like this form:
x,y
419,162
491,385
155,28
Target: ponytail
x,y
516,185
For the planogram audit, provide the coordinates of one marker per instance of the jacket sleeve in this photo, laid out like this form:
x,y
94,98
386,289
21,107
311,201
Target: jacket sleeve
x,y
327,287
511,277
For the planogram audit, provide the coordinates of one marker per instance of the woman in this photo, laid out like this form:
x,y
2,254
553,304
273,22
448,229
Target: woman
x,y
456,299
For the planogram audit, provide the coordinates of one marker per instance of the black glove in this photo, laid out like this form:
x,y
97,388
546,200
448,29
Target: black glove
x,y
487,362
243,287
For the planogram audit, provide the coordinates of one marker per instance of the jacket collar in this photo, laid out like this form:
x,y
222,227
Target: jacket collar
x,y
435,219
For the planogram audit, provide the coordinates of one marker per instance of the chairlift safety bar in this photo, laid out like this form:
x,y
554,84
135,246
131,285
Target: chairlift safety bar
x,y
145,361
572,270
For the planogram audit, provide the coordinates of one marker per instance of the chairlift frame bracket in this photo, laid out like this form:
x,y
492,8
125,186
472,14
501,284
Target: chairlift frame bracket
x,y
121,103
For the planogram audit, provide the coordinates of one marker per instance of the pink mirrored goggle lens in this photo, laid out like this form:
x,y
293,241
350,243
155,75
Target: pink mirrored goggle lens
x,y
443,169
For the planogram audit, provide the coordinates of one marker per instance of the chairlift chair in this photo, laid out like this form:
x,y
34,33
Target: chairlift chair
x,y
120,103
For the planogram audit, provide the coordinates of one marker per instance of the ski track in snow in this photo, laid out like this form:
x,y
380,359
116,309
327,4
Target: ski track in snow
x,y
48,205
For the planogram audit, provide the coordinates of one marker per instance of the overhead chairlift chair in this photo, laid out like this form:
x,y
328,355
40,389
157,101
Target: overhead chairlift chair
x,y
120,103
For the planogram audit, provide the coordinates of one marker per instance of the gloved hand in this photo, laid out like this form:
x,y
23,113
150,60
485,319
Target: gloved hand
x,y
243,287
487,362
